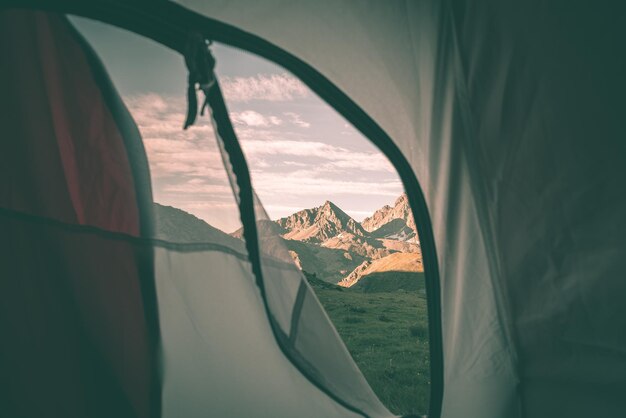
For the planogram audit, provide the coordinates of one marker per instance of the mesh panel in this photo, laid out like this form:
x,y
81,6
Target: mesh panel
x,y
316,349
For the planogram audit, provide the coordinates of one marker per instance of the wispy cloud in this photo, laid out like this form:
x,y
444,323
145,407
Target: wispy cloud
x,y
199,189
337,157
309,182
267,87
296,119
254,119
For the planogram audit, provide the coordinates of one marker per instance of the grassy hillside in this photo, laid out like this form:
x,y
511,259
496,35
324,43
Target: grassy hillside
x,y
390,281
387,335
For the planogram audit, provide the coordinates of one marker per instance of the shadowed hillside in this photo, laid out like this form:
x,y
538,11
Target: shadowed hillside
x,y
390,281
176,225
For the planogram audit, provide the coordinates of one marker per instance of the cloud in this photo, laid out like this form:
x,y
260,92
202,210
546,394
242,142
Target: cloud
x,y
358,214
267,87
199,189
288,165
337,157
254,119
294,163
308,182
296,119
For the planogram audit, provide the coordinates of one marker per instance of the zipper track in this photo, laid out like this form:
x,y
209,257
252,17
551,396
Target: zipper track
x,y
169,24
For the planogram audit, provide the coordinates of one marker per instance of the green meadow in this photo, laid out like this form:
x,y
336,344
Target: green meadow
x,y
386,331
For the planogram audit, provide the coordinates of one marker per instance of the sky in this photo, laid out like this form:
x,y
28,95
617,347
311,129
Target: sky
x,y
299,150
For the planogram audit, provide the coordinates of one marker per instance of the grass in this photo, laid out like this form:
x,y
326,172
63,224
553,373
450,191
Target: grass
x,y
387,334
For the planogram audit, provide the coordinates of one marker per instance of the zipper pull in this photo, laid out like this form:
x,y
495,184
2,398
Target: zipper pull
x,y
200,64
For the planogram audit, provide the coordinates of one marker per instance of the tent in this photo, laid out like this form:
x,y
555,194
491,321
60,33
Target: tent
x,y
505,122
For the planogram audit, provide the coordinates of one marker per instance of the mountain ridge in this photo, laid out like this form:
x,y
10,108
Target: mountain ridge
x,y
323,240
318,224
389,235
175,225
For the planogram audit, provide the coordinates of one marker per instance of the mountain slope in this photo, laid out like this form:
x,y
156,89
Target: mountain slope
x,y
176,225
393,263
264,228
328,264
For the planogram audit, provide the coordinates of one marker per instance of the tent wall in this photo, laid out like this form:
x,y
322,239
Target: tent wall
x,y
545,95
76,339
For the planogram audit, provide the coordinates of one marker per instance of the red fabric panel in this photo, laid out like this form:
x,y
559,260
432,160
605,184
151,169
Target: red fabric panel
x,y
73,334
72,321
62,155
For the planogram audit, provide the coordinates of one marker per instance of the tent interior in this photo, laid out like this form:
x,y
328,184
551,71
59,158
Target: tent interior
x,y
505,123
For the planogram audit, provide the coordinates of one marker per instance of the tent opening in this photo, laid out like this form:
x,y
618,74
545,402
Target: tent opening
x,y
340,210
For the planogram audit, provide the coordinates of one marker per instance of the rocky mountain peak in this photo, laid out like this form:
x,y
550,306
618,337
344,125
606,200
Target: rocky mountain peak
x,y
331,211
299,220
402,200
390,221
319,224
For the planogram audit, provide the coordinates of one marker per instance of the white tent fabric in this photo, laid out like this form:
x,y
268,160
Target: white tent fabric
x,y
205,374
511,117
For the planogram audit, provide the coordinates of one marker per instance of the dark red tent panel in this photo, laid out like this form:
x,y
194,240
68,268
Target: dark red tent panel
x,y
76,340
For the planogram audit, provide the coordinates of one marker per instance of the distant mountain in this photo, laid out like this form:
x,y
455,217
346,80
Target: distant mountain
x,y
395,222
328,243
390,265
176,225
319,224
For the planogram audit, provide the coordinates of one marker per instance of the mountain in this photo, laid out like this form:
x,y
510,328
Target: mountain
x,y
319,224
395,222
328,243
176,225
395,264
323,241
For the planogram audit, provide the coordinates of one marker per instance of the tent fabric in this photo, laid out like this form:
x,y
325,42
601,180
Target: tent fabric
x,y
219,354
62,177
75,337
510,116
